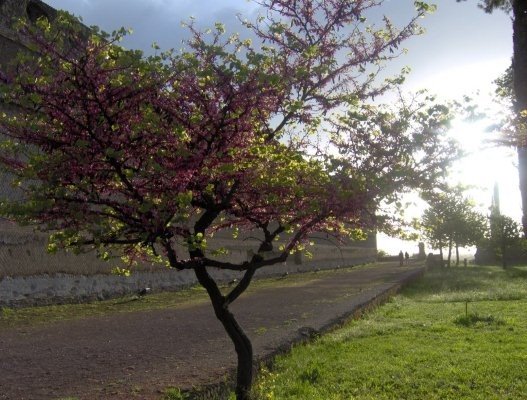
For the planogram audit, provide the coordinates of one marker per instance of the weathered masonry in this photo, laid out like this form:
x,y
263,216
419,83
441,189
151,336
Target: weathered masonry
x,y
29,275
12,9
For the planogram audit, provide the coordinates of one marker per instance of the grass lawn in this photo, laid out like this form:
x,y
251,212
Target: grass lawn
x,y
457,334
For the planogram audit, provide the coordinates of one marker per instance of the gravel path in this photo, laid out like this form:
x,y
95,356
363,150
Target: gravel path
x,y
136,355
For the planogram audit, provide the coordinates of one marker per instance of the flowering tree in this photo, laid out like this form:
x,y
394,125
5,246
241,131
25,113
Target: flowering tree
x,y
145,156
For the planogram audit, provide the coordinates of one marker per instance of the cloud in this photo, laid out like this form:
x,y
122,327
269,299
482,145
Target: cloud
x,y
156,20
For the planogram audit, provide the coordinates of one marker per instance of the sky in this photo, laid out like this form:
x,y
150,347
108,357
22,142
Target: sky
x,y
462,52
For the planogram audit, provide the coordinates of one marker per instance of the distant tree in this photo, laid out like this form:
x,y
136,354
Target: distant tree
x,y
518,8
148,158
452,222
470,228
506,235
434,226
393,145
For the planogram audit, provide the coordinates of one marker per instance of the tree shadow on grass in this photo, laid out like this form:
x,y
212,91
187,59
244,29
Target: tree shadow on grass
x,y
475,320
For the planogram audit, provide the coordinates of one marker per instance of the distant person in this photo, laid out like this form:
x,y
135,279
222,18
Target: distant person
x,y
407,257
401,258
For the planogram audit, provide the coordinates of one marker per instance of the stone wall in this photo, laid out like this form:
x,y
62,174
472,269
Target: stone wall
x,y
64,288
10,10
30,276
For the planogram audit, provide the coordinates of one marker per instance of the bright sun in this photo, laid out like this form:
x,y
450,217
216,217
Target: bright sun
x,y
486,163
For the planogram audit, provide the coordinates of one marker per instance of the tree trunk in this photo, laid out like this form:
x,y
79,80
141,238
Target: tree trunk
x,y
244,351
457,255
519,63
522,173
503,254
442,263
242,344
449,251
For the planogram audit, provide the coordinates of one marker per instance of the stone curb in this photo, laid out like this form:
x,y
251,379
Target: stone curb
x,y
221,390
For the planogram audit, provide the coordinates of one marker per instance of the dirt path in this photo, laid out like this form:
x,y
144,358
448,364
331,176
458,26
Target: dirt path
x,y
136,355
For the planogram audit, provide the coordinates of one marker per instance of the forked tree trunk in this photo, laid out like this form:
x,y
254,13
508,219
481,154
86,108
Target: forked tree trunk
x,y
244,351
242,344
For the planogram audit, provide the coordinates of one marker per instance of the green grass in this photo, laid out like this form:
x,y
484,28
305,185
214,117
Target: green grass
x,y
460,334
17,317
174,394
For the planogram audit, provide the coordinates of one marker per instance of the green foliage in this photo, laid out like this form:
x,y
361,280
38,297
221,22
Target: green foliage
x,y
425,7
504,239
504,230
510,127
174,394
451,220
490,5
121,271
6,312
505,85
381,253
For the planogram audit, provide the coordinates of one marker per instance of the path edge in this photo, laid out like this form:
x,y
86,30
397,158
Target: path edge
x,y
221,390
